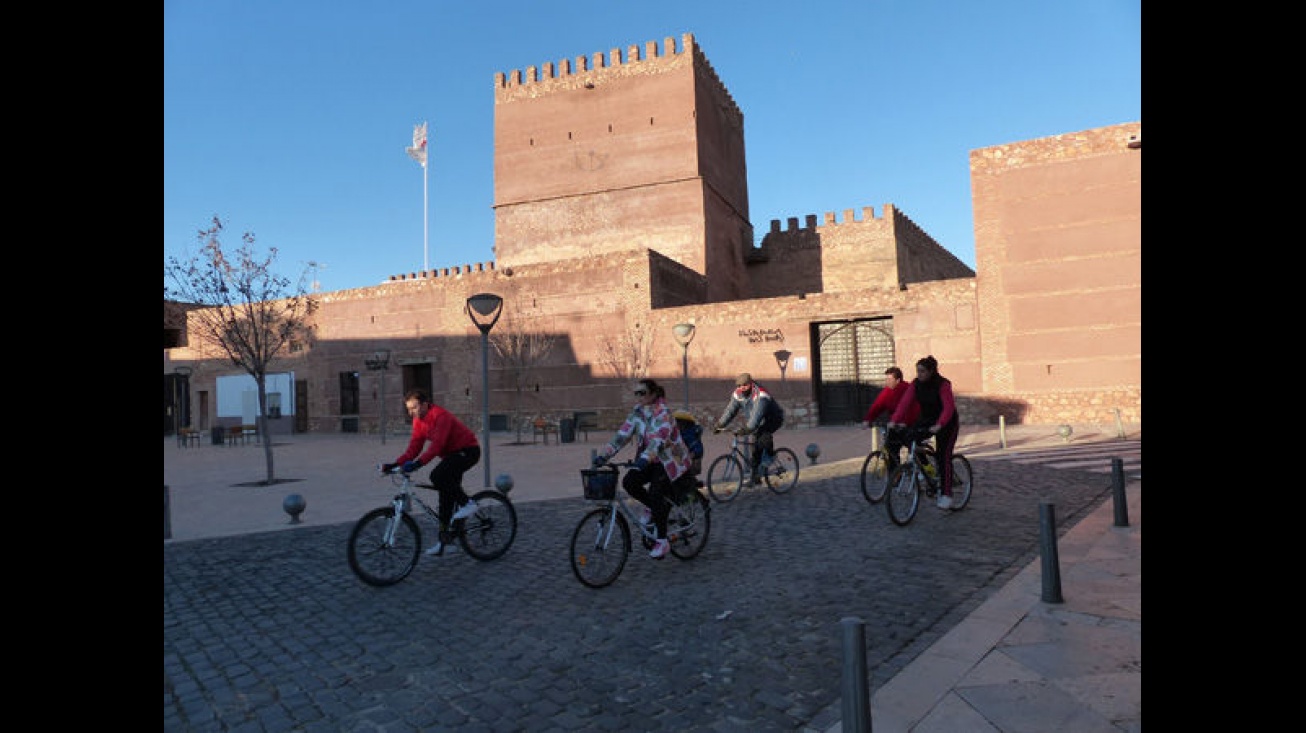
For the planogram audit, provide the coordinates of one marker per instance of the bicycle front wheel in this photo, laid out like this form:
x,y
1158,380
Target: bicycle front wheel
x,y
488,533
875,476
376,560
903,496
782,474
688,526
725,478
962,482
600,545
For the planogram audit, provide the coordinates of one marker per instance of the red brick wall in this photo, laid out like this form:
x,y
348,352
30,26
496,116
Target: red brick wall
x,y
625,206
1058,244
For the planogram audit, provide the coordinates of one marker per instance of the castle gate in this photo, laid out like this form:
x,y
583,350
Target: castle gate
x,y
850,359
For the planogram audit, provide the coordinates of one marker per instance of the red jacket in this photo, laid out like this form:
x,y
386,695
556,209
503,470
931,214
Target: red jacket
x,y
445,432
888,399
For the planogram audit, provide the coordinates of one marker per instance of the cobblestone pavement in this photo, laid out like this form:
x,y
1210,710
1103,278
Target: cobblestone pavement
x,y
272,631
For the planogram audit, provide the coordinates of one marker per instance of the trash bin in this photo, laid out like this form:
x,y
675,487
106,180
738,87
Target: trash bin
x,y
219,434
567,430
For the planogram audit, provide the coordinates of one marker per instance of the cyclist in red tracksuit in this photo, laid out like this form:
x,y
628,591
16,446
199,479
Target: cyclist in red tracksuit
x,y
885,403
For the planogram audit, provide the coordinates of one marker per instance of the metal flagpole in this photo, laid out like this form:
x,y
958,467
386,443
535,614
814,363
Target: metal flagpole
x,y
425,229
418,153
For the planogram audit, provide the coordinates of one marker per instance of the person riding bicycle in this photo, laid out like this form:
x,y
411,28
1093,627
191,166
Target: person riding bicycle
x,y
931,393
456,446
885,403
661,457
763,417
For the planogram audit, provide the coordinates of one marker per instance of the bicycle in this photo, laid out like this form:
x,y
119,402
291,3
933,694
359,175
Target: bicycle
x,y
601,542
880,462
726,475
917,475
386,542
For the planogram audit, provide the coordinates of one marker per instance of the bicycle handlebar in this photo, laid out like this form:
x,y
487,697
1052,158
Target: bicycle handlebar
x,y
912,434
398,468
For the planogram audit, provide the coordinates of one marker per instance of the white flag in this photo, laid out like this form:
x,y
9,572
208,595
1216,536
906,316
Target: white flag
x,y
418,151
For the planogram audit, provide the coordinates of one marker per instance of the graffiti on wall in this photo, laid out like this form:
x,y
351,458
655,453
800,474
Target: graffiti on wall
x,y
762,335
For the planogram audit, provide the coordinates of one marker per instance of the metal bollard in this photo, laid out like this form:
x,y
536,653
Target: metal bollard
x,y
1002,431
1047,528
1118,492
167,513
856,700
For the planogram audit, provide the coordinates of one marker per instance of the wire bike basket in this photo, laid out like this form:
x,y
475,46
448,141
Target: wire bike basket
x,y
600,484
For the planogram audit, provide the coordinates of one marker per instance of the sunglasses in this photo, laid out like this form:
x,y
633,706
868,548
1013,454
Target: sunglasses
x,y
640,392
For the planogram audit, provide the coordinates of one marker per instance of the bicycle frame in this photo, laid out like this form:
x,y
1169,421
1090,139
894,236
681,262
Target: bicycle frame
x,y
618,504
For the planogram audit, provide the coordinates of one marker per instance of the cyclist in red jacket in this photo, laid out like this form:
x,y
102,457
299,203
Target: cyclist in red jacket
x,y
885,403
456,447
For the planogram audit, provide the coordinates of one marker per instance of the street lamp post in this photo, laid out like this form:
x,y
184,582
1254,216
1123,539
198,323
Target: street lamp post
x,y
379,361
684,334
484,309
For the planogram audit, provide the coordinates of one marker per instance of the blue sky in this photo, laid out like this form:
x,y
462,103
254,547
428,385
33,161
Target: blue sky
x,y
289,119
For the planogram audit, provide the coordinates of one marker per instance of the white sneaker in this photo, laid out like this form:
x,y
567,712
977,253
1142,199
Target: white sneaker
x,y
945,501
660,549
464,511
436,549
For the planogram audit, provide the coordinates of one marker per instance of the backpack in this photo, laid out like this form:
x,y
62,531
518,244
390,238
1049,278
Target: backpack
x,y
692,435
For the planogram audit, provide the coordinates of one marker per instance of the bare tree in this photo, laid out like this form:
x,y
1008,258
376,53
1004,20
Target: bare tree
x,y
629,353
246,311
521,344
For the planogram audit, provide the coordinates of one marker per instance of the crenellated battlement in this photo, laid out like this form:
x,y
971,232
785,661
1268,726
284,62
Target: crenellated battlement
x,y
868,214
443,272
587,71
597,62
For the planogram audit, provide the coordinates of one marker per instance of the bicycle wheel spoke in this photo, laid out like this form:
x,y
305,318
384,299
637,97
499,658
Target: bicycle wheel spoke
x,y
599,548
376,561
487,534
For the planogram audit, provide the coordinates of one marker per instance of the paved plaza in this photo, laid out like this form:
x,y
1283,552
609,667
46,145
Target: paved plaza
x,y
267,629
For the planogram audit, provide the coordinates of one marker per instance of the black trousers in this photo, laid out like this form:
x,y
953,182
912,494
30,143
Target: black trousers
x,y
651,488
447,478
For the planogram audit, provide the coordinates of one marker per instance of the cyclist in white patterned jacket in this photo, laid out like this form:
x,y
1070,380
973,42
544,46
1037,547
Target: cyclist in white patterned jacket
x,y
661,457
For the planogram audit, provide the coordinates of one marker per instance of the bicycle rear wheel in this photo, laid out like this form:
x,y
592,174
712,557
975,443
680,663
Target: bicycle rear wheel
x,y
488,533
725,478
875,476
962,482
903,497
377,562
600,545
782,474
689,525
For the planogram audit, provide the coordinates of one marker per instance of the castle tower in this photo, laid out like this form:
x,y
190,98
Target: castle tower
x,y
610,153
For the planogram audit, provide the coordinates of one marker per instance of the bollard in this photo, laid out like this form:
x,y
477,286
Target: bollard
x,y
293,505
856,700
1047,529
167,514
1002,431
1118,492
813,452
1120,426
504,483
